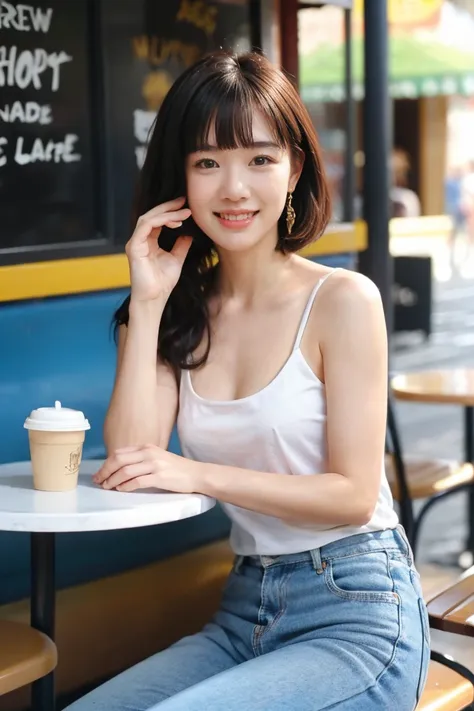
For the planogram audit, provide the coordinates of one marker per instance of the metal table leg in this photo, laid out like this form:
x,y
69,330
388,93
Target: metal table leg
x,y
468,556
43,609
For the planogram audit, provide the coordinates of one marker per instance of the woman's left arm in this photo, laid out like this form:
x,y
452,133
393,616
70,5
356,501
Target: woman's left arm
x,y
353,345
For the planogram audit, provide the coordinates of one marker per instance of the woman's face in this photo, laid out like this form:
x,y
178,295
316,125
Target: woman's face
x,y
237,196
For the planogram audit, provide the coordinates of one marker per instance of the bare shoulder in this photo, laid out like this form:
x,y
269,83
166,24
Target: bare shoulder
x,y
350,312
341,285
345,281
348,292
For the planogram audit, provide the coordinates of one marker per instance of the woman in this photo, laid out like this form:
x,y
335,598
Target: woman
x,y
275,369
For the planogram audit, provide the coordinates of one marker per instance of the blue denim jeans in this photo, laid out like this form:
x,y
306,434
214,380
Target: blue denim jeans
x,y
341,627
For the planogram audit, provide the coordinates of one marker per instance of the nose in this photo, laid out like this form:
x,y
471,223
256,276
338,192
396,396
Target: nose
x,y
234,185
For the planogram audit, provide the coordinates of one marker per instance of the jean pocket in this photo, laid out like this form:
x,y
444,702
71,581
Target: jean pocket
x,y
362,578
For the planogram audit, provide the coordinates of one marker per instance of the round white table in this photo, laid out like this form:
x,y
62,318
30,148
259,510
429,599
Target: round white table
x,y
87,508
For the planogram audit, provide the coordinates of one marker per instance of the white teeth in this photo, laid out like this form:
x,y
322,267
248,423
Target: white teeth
x,y
244,216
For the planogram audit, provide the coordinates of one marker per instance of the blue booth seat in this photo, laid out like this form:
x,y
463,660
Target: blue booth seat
x,y
63,349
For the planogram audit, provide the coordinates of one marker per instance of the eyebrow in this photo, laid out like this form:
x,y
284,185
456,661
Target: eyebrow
x,y
206,147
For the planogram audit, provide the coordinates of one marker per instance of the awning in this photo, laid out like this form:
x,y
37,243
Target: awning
x,y
431,57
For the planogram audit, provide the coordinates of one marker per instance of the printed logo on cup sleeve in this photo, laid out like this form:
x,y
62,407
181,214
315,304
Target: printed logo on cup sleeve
x,y
74,461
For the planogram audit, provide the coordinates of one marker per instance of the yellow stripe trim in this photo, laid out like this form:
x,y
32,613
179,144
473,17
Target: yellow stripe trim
x,y
76,276
339,239
63,276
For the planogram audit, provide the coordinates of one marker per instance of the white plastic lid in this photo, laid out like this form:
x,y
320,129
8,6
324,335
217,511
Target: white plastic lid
x,y
56,419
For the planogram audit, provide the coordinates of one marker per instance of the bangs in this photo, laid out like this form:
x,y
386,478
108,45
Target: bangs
x,y
226,110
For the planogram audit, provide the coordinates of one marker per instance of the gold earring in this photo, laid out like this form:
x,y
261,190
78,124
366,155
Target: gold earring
x,y
290,213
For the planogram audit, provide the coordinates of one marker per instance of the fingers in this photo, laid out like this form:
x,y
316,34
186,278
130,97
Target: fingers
x,y
181,248
128,472
168,206
149,221
171,207
149,224
119,459
140,482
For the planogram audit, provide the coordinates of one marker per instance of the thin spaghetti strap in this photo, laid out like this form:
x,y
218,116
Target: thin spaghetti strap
x,y
308,307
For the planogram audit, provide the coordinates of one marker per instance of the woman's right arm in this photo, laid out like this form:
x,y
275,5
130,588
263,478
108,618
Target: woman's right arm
x,y
144,401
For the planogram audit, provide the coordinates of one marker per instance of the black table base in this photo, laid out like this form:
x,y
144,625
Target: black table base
x,y
43,597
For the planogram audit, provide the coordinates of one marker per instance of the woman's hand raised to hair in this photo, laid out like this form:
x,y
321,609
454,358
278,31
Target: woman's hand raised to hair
x,y
154,272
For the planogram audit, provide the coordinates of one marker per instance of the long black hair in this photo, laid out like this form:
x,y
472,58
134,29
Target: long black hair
x,y
222,91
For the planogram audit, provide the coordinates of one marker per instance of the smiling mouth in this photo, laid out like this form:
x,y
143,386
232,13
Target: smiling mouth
x,y
232,217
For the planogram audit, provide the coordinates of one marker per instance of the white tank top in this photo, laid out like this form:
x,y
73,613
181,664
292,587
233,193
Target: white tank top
x,y
279,429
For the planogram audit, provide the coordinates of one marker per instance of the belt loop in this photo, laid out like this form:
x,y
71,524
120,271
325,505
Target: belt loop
x,y
239,559
404,537
317,562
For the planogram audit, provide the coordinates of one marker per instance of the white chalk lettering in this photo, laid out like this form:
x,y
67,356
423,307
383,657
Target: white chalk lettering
x,y
36,69
41,19
31,112
142,123
69,156
26,67
7,16
3,159
140,155
56,151
23,17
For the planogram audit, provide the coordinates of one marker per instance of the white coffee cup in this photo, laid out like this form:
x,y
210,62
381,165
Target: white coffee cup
x,y
56,436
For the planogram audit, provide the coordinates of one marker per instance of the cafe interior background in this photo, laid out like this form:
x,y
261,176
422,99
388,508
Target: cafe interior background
x,y
72,138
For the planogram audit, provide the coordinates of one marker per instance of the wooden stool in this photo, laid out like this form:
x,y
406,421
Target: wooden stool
x,y
445,690
25,655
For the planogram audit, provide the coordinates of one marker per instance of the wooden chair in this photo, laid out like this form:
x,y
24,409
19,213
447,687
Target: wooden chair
x,y
450,686
413,478
453,609
25,655
445,690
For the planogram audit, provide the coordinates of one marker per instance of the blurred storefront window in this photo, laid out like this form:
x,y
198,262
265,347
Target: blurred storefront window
x,y
431,50
431,75
321,53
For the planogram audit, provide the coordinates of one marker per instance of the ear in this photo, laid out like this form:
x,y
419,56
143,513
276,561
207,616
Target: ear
x,y
297,163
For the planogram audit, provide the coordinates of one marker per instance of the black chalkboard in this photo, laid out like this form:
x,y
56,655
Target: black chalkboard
x,y
146,45
46,170
80,84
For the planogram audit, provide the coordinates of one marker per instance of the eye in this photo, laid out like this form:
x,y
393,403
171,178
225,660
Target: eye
x,y
206,163
262,160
